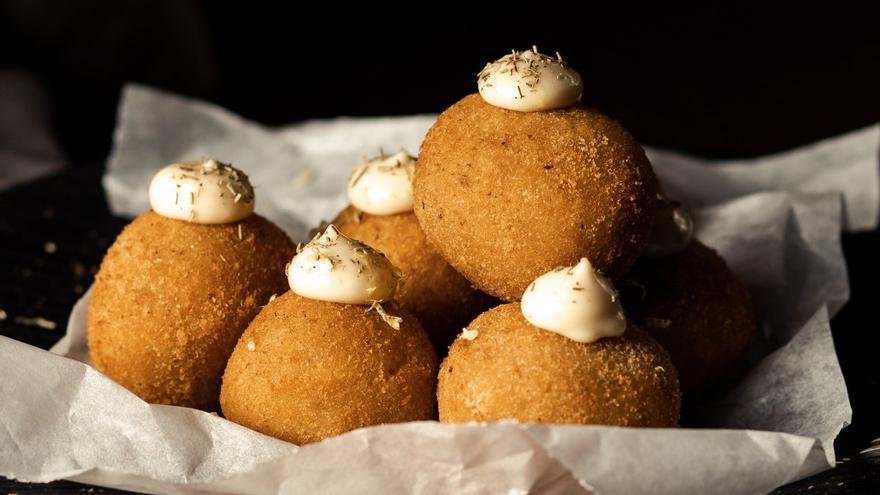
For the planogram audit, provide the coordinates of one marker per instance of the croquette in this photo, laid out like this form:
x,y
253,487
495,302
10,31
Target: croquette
x,y
698,310
510,369
505,196
441,298
171,299
306,370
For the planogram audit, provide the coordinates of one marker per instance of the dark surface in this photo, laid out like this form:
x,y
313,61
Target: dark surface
x,y
728,84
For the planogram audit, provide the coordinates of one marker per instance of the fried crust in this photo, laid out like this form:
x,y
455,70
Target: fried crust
x,y
698,310
441,298
514,370
171,299
506,196
306,370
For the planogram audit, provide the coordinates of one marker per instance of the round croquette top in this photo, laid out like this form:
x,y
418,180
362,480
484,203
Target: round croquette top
x,y
695,306
506,196
305,370
172,297
508,368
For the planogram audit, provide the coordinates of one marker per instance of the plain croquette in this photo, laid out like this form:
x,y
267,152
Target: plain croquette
x,y
306,370
506,196
514,370
171,299
698,310
441,298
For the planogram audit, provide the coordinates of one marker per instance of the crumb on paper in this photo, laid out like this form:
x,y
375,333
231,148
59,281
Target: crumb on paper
x,y
468,334
38,321
304,178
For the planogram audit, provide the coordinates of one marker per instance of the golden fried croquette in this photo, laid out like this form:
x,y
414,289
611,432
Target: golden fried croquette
x,y
506,196
697,309
305,370
514,370
441,299
172,298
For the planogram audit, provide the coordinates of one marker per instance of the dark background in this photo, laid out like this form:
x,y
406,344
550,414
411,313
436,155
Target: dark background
x,y
726,83
729,83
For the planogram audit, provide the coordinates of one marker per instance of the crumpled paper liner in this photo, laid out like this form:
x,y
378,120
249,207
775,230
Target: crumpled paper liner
x,y
778,229
301,169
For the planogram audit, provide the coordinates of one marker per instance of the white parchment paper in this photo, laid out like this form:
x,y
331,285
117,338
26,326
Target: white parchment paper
x,y
776,220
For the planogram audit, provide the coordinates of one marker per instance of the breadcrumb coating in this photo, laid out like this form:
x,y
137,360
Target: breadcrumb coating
x,y
306,370
698,310
510,369
506,196
171,299
441,298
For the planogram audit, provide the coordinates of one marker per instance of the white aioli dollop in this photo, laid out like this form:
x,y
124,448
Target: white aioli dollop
x,y
336,268
383,185
530,81
576,302
207,192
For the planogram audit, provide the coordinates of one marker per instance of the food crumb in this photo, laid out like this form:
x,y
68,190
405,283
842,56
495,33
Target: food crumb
x,y
79,269
50,247
3,315
39,321
469,334
391,320
251,346
304,178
